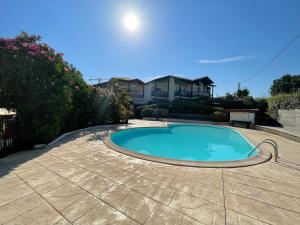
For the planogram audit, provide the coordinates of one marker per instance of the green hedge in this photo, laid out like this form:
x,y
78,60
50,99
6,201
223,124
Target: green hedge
x,y
283,101
213,107
48,94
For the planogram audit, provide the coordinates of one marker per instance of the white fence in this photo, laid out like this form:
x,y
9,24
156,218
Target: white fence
x,y
6,143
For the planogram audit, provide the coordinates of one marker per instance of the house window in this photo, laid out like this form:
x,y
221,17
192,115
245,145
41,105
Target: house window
x,y
136,89
182,88
160,88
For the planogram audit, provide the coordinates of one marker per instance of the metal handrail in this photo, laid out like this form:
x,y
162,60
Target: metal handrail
x,y
267,141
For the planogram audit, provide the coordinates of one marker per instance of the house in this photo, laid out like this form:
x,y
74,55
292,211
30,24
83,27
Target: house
x,y
134,87
163,88
173,87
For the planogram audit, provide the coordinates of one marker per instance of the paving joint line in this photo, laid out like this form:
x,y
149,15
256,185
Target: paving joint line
x,y
136,192
91,194
276,192
275,181
224,200
43,198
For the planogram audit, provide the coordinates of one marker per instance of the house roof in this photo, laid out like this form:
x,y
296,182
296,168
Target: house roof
x,y
126,79
205,80
241,110
103,84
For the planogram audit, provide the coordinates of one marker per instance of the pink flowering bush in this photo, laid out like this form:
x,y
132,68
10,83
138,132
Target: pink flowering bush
x,y
49,95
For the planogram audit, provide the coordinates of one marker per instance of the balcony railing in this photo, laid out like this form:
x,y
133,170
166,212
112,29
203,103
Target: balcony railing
x,y
160,94
182,93
135,94
200,93
6,143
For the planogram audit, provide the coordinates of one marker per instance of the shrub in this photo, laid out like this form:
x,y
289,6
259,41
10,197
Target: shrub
x,y
100,106
219,116
48,94
233,103
261,104
283,101
121,107
149,110
192,107
163,113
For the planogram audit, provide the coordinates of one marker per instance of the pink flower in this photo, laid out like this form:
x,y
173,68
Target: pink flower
x,y
25,44
77,88
66,69
11,46
51,58
34,47
32,53
61,54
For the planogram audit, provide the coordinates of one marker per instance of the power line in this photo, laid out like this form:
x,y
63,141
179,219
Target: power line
x,y
274,58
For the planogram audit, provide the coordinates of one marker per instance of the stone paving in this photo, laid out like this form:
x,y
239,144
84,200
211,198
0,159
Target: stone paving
x,y
81,181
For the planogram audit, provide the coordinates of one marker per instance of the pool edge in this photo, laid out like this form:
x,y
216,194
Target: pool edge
x,y
258,159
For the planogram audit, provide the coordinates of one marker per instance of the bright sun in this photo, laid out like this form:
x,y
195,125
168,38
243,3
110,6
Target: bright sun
x,y
131,22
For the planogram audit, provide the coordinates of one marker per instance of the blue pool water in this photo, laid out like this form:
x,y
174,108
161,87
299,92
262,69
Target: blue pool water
x,y
186,142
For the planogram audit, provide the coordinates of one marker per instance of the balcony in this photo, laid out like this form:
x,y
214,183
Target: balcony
x,y
136,94
157,93
183,93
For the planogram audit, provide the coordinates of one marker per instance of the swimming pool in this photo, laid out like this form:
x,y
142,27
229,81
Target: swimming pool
x,y
185,143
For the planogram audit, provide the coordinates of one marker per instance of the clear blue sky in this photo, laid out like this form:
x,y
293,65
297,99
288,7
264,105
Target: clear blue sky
x,y
226,40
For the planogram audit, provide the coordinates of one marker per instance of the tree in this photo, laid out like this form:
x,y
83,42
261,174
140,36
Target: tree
x,y
121,106
287,84
229,96
242,93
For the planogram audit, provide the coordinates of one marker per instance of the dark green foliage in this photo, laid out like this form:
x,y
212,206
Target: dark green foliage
x,y
192,107
100,106
121,107
149,110
154,110
229,97
219,116
261,104
242,93
283,101
48,94
287,84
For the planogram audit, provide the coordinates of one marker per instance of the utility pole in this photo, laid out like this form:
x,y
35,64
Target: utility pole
x,y
239,86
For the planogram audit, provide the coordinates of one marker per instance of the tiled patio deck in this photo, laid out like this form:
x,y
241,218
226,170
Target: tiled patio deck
x,y
81,181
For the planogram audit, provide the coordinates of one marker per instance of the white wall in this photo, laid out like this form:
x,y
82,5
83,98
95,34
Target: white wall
x,y
147,92
171,88
290,119
243,116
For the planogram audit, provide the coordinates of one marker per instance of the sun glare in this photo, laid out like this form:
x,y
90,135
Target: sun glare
x,y
131,22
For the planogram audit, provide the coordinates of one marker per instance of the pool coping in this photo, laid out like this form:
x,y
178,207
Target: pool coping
x,y
261,157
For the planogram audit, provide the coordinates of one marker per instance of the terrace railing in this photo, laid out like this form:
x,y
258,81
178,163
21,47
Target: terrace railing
x,y
6,143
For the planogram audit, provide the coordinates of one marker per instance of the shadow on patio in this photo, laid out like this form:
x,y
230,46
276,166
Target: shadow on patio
x,y
17,159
